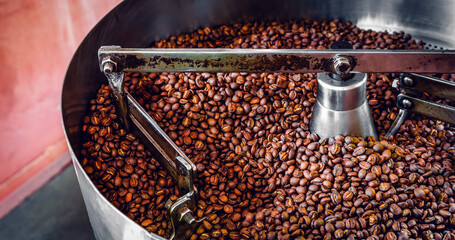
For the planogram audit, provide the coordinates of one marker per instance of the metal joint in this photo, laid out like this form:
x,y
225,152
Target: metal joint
x,y
182,219
108,65
341,64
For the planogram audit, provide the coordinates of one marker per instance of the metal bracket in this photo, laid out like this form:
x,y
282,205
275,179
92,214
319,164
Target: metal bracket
x,y
412,86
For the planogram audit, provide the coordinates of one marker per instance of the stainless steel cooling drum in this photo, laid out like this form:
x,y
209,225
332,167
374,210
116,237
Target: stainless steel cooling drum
x,y
136,24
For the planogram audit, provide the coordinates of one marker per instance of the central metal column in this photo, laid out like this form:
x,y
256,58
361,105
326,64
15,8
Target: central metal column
x,y
341,107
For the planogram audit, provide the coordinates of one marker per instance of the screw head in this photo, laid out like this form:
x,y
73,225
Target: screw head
x,y
108,65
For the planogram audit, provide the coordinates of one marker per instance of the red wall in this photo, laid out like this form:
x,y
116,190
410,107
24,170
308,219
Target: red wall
x,y
37,40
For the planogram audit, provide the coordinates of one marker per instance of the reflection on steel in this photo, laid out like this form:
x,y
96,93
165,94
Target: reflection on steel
x,y
412,86
276,60
341,107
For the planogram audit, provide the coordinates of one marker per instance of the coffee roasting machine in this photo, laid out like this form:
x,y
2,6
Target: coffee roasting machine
x,y
341,107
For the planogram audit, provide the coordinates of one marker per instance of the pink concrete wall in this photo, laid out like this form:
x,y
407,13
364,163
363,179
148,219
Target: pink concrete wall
x,y
37,41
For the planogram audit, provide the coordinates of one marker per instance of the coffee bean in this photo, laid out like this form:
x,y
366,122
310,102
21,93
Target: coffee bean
x,y
419,193
395,209
365,165
348,195
384,186
444,213
390,236
228,208
370,192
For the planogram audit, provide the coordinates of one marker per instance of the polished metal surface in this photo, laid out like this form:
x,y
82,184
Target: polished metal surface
x,y
330,123
341,107
276,60
342,95
139,23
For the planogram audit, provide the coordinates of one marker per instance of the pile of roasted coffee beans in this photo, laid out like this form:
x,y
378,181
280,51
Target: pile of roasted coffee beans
x,y
260,173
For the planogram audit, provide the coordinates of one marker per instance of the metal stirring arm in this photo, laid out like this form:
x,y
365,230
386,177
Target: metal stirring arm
x,y
177,164
411,87
174,161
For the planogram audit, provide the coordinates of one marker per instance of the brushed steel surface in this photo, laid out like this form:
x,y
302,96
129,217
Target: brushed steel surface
x,y
341,107
330,123
342,95
139,23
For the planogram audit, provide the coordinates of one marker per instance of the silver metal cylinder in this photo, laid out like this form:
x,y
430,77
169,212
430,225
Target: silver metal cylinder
x,y
341,107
